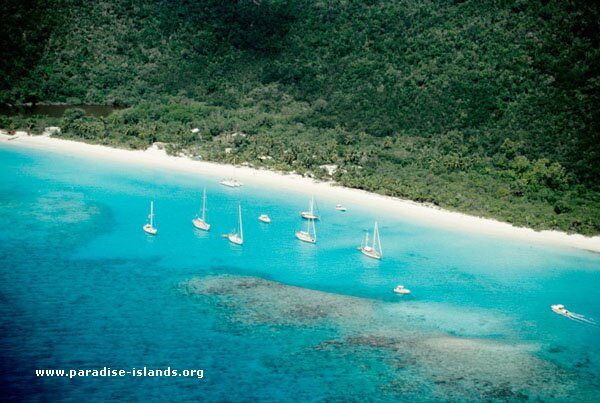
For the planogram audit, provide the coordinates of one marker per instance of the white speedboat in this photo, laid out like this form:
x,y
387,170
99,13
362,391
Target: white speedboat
x,y
400,289
149,227
339,207
560,309
264,218
232,183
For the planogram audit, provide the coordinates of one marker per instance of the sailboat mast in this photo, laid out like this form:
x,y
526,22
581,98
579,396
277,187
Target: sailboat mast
x,y
376,239
151,213
314,229
240,219
374,235
204,205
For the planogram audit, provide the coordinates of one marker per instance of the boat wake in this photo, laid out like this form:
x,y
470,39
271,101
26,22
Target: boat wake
x,y
581,318
561,310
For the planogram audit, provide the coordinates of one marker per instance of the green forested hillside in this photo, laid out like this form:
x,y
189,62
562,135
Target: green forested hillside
x,y
487,107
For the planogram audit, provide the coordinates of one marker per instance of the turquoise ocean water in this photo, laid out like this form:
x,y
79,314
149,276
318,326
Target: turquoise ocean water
x,y
82,287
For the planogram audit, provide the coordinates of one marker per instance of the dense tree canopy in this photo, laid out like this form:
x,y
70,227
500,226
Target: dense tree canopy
x,y
488,107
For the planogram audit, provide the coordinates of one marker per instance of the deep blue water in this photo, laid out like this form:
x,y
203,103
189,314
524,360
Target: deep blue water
x,y
82,287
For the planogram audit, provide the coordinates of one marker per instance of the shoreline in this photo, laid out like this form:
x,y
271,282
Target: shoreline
x,y
413,211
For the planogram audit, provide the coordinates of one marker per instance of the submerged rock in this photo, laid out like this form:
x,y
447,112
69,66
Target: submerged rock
x,y
395,358
262,301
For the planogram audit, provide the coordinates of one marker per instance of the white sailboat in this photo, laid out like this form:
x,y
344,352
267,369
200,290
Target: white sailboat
x,y
149,227
238,238
200,222
307,236
310,214
373,250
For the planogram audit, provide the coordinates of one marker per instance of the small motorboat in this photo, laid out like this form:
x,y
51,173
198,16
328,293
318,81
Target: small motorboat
x,y
560,309
264,218
401,290
339,207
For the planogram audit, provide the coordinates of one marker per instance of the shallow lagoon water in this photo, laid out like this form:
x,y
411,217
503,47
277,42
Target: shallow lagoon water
x,y
83,287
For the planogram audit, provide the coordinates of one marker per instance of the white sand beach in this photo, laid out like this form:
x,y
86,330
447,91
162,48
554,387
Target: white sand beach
x,y
429,215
